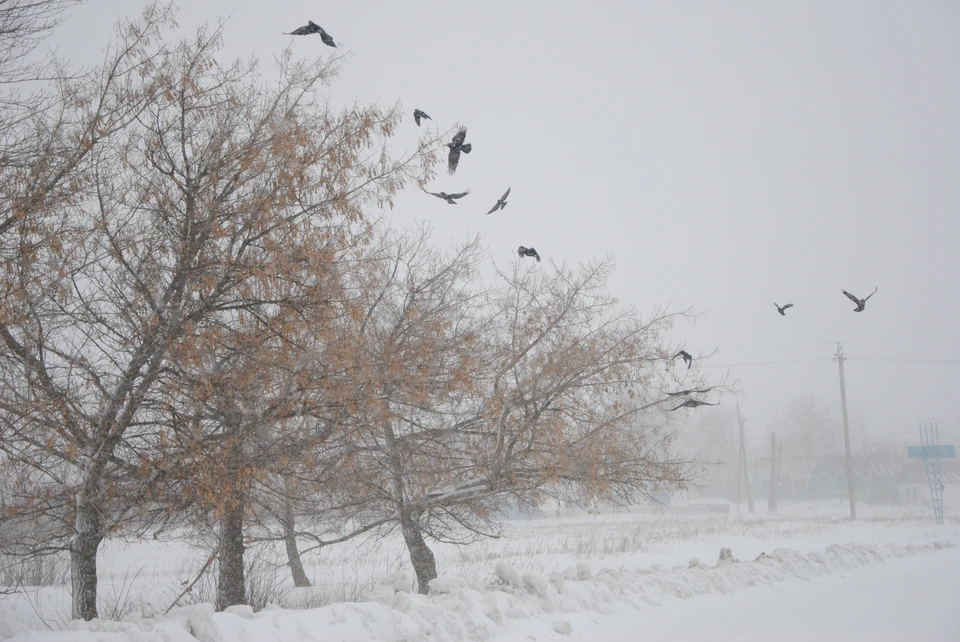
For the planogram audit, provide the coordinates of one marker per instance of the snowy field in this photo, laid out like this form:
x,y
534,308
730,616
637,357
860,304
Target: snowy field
x,y
578,577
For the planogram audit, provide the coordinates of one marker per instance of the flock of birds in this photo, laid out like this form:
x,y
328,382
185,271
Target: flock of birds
x,y
459,146
456,146
782,309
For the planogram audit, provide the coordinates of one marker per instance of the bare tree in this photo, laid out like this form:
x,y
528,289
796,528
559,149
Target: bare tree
x,y
24,90
214,186
811,428
533,386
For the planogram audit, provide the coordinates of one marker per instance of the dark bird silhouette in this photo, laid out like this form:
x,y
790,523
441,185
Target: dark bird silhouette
x,y
693,403
456,146
686,357
501,202
782,310
311,28
528,251
681,393
450,198
417,115
861,303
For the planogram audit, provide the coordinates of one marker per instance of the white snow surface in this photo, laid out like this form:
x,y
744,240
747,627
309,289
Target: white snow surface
x,y
503,607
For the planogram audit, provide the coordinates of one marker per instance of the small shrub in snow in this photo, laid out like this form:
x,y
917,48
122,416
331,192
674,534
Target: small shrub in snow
x,y
403,601
241,610
381,595
562,627
726,557
442,585
583,571
535,583
399,581
694,563
507,574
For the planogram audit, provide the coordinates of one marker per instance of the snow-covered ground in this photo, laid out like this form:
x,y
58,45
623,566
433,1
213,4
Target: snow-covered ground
x,y
581,577
914,599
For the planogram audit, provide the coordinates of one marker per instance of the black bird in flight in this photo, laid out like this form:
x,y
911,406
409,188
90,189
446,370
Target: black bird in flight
x,y
681,393
501,202
417,115
686,357
528,251
450,198
861,303
456,146
782,310
311,28
693,403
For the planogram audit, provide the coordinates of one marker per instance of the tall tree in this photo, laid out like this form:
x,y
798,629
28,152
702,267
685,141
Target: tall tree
x,y
811,429
525,388
216,184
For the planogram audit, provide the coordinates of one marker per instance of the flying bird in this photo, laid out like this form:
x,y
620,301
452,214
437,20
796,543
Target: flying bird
x,y
417,115
681,393
528,251
861,303
456,146
693,403
501,202
686,357
782,310
311,28
450,198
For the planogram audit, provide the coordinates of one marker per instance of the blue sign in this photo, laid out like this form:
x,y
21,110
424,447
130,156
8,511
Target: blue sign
x,y
931,452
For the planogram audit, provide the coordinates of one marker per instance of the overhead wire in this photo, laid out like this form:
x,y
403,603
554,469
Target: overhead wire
x,y
765,363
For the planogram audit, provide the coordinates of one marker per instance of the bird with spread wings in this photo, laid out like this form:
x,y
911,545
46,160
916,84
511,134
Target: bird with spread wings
x,y
450,198
693,403
418,114
456,146
682,393
501,202
528,251
861,303
311,28
782,310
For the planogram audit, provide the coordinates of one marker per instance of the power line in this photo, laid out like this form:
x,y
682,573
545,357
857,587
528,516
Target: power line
x,y
781,345
904,345
765,363
903,359
851,343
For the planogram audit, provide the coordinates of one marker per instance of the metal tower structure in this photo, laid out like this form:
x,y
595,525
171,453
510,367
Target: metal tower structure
x,y
930,442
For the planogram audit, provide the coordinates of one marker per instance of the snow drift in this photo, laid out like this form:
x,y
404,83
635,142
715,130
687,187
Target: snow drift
x,y
461,609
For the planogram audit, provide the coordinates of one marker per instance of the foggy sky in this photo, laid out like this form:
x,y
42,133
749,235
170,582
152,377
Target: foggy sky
x,y
728,154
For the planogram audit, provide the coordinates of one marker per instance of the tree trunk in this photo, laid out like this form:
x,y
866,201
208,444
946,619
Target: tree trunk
x,y
83,560
424,563
230,584
290,541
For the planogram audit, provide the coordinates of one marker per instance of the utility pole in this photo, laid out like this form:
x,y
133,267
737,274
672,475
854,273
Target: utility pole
x,y
772,497
739,472
743,465
846,435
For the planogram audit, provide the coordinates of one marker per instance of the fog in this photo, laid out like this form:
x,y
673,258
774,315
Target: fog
x,y
729,155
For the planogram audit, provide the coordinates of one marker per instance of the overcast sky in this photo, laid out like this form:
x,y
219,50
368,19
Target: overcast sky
x,y
728,154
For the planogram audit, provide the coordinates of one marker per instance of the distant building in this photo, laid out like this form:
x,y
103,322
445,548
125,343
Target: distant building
x,y
878,479
912,486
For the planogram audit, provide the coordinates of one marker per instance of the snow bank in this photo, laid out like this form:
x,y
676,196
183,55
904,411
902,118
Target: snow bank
x,y
461,609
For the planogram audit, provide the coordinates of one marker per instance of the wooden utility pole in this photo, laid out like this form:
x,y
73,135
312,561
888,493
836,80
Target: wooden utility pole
x,y
846,436
772,497
739,471
743,466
